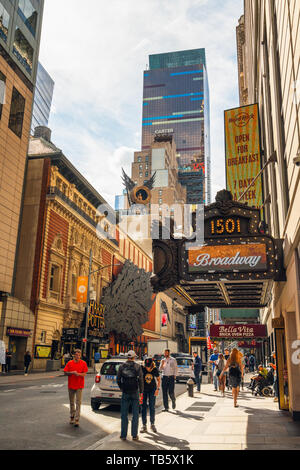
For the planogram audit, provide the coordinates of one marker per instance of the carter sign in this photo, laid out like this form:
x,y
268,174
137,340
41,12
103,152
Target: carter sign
x,y
228,258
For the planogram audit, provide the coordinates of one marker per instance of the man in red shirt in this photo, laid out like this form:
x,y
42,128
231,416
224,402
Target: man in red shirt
x,y
76,370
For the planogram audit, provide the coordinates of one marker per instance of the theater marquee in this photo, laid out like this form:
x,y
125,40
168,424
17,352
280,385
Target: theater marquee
x,y
235,267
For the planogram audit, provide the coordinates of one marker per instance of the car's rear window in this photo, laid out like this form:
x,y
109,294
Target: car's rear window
x,y
181,361
110,368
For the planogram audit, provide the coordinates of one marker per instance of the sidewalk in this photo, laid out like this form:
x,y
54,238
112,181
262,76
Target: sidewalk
x,y
209,422
14,377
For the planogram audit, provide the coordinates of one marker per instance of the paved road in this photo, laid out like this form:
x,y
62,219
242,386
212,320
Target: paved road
x,y
35,416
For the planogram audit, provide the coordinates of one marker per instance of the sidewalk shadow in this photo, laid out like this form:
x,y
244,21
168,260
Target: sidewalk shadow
x,y
189,416
170,441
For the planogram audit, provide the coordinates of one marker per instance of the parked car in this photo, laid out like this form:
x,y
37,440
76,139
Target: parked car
x,y
185,370
105,388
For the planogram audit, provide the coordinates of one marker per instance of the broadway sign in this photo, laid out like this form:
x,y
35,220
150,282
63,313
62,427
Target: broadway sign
x,y
228,258
238,331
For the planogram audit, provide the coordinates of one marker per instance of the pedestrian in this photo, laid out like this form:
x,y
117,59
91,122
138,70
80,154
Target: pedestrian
x,y
251,363
6,366
275,383
151,390
168,367
197,368
246,363
76,369
220,366
27,362
131,381
235,367
243,364
212,360
97,357
226,357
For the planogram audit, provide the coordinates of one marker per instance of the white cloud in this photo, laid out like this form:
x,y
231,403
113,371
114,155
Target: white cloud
x,y
96,52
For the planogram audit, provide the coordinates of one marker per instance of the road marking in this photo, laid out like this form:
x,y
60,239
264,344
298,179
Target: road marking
x,y
65,435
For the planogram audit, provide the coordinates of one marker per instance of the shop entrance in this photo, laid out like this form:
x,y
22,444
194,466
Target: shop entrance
x,y
17,346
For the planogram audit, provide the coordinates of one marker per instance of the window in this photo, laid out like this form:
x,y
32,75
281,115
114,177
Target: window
x,y
54,278
139,159
28,14
4,22
146,173
16,113
2,91
141,175
23,50
147,158
74,285
140,167
160,201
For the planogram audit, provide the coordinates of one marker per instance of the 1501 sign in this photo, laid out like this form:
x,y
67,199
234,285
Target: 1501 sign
x,y
226,226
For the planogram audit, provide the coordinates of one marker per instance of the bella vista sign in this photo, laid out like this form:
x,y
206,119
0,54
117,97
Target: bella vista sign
x,y
238,331
228,258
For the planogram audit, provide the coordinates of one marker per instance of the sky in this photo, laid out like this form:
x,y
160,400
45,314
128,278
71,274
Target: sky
x,y
96,52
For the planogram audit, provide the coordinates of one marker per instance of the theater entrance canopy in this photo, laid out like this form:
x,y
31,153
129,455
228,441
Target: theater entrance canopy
x,y
234,268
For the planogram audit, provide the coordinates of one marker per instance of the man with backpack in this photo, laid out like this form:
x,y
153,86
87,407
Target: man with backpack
x,y
251,363
130,379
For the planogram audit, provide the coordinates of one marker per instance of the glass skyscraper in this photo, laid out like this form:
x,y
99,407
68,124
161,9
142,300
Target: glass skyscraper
x,y
176,101
42,98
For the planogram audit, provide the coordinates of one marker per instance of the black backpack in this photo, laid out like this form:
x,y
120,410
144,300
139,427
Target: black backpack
x,y
235,371
129,377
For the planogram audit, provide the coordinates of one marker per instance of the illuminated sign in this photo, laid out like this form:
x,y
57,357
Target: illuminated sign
x,y
243,154
238,331
228,258
18,332
96,323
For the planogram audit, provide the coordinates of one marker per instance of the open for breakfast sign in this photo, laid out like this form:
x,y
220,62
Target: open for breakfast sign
x,y
243,154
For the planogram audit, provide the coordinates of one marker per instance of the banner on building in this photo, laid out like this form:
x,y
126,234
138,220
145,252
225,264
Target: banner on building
x,y
243,154
165,318
82,287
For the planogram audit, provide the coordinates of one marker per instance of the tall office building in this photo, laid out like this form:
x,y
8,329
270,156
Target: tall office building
x,y
176,101
20,30
42,98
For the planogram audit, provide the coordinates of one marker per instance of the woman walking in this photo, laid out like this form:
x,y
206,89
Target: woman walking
x,y
236,371
220,365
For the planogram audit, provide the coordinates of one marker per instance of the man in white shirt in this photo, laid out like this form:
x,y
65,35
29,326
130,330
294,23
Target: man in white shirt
x,y
168,367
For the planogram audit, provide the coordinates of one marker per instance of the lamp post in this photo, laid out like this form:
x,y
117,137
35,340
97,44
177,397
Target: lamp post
x,y
88,297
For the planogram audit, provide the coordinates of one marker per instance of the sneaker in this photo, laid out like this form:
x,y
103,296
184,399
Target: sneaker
x,y
144,428
165,409
76,425
135,438
153,428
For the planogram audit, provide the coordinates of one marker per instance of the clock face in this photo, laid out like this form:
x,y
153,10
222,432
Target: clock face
x,y
141,195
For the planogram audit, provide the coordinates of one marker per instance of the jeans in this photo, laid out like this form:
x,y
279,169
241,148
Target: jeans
x,y
216,381
198,379
128,399
75,395
148,395
168,386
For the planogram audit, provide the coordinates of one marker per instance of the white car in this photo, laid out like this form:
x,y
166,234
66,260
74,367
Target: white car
x,y
185,370
105,388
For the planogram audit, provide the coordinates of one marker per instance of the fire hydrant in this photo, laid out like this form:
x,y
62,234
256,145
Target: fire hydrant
x,y
190,387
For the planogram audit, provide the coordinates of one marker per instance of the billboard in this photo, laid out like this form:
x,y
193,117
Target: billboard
x,y
243,154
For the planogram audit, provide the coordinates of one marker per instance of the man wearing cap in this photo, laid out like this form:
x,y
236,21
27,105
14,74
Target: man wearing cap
x,y
168,367
131,381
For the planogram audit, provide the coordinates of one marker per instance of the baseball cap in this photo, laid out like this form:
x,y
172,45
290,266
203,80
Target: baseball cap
x,y
131,354
148,362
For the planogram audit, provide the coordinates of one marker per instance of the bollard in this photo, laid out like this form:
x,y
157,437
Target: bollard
x,y
190,387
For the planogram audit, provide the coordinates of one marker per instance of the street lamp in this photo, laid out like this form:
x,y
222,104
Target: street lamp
x,y
88,297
